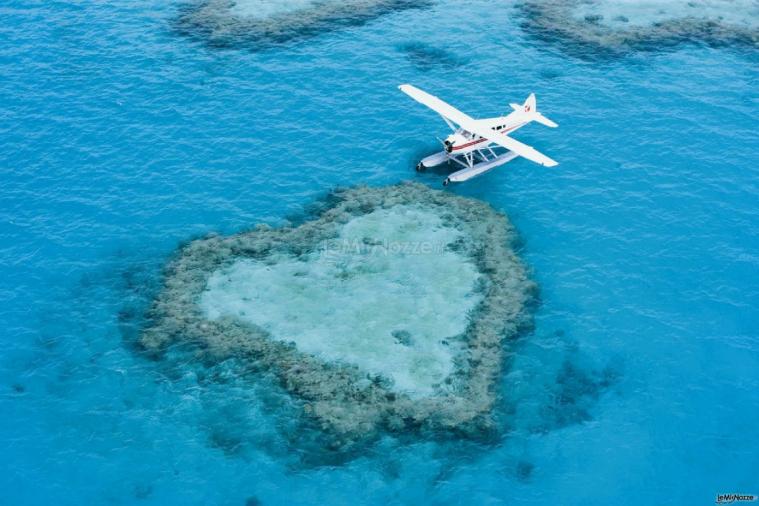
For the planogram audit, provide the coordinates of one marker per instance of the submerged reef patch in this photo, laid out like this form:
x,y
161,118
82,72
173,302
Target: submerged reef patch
x,y
257,23
427,57
617,27
387,311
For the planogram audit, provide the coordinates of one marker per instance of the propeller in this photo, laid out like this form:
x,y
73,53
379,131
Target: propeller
x,y
446,147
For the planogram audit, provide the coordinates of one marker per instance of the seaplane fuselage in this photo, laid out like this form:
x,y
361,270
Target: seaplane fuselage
x,y
461,141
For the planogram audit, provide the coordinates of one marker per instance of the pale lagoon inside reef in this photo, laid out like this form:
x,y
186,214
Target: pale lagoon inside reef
x,y
167,168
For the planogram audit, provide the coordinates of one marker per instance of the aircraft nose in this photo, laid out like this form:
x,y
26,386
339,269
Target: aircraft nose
x,y
448,145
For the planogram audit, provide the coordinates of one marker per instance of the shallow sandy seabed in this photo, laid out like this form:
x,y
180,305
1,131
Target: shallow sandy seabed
x,y
232,23
624,25
391,310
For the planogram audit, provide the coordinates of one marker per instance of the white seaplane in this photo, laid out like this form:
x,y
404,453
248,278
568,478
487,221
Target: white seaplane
x,y
478,144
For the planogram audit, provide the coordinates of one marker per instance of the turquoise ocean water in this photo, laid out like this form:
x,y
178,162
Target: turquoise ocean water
x,y
121,139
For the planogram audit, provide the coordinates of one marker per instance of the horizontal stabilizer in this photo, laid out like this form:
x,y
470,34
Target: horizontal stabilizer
x,y
543,120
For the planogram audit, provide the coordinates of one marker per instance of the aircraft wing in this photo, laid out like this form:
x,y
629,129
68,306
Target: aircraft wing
x,y
509,143
447,111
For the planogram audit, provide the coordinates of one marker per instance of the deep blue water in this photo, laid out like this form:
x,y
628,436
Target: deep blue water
x,y
120,140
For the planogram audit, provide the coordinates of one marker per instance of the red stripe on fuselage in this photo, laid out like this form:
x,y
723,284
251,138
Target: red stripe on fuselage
x,y
484,139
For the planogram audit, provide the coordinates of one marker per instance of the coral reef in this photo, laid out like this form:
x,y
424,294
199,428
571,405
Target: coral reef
x,y
618,27
387,311
254,23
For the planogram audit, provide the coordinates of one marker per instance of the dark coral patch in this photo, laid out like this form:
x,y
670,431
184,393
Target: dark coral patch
x,y
219,24
591,36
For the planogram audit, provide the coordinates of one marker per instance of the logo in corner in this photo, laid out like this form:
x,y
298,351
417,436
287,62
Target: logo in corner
x,y
733,498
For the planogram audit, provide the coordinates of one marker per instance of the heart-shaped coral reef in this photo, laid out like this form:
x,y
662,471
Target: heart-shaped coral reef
x,y
387,311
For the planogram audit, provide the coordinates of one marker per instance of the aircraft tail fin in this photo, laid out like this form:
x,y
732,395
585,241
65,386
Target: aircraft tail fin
x,y
530,108
531,104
